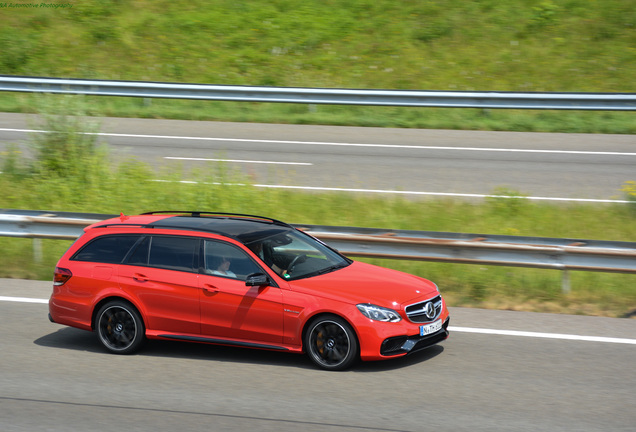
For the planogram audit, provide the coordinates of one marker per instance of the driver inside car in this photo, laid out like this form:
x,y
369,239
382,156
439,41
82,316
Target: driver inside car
x,y
265,252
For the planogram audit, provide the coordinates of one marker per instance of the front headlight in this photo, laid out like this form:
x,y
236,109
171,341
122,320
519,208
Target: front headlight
x,y
379,313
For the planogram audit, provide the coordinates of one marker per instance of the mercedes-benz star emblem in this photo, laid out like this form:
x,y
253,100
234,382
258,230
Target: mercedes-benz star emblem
x,y
429,310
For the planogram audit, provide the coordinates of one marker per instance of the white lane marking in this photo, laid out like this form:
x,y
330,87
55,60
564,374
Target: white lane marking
x,y
445,194
543,335
24,300
381,191
237,161
451,328
342,144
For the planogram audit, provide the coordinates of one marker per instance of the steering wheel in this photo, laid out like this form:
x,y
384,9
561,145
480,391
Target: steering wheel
x,y
295,261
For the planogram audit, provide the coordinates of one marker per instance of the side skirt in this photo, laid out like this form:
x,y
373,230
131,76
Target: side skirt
x,y
222,342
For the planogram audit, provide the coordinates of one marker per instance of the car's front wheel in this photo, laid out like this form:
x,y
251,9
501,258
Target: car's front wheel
x,y
120,327
331,343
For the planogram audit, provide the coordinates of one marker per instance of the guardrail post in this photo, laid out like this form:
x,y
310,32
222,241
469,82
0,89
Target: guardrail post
x,y
37,250
565,282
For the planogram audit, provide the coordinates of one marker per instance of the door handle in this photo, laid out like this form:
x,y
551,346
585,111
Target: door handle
x,y
140,277
210,288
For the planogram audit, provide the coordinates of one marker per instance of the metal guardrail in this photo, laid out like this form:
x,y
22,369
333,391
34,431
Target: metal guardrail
x,y
536,252
407,98
514,251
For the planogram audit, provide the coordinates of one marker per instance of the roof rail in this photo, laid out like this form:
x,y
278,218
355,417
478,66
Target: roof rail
x,y
218,214
119,225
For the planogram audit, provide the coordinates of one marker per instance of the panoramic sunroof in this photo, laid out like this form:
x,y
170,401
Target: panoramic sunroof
x,y
242,229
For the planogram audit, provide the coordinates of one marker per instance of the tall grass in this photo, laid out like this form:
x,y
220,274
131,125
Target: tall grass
x,y
90,182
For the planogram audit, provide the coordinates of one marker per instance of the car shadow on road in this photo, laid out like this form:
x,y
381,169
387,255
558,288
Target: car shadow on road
x,y
80,340
203,351
72,339
401,362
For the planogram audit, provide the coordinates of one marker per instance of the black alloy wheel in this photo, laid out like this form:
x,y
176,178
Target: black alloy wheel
x,y
331,343
120,327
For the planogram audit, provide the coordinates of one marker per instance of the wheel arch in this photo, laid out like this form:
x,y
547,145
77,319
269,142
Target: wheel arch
x,y
325,314
110,298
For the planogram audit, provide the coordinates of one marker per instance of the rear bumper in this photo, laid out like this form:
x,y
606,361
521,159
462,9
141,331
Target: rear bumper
x,y
69,313
401,345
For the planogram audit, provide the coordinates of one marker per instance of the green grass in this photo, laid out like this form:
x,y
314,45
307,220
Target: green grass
x,y
519,45
51,181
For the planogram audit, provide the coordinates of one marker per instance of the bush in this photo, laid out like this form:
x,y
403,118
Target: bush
x,y
66,146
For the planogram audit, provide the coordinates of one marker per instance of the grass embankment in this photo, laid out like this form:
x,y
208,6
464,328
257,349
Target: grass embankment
x,y
69,173
518,45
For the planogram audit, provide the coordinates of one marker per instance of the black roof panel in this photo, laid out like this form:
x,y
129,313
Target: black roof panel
x,y
245,230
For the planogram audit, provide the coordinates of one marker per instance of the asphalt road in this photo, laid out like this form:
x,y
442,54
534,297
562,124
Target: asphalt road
x,y
414,162
54,378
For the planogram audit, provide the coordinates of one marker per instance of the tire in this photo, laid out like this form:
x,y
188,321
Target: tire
x,y
120,327
331,343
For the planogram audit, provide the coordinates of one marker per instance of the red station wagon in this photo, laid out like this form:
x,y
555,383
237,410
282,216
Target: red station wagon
x,y
240,280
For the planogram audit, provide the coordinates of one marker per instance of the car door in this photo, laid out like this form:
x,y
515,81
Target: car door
x,y
162,273
229,308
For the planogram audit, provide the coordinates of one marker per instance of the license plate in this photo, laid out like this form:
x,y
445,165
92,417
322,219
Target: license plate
x,y
431,328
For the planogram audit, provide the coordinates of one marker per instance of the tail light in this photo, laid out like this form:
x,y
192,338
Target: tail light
x,y
61,276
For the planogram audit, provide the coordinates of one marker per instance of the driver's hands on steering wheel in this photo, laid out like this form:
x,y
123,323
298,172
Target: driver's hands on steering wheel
x,y
297,259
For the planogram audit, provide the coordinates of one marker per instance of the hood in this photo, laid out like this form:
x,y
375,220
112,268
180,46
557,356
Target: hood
x,y
366,283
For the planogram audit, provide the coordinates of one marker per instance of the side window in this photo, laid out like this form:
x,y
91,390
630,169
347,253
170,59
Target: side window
x,y
109,249
139,256
173,253
224,259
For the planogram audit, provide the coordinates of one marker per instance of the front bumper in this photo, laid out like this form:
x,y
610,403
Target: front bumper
x,y
401,345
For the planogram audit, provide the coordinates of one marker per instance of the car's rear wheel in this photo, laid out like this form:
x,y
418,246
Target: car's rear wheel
x,y
331,343
120,327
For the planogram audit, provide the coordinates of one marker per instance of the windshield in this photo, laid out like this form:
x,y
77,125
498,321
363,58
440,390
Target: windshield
x,y
295,255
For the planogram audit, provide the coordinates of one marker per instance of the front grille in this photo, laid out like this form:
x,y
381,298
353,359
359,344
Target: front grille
x,y
417,312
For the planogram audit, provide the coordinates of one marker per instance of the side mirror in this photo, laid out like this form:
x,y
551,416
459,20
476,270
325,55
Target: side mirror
x,y
257,279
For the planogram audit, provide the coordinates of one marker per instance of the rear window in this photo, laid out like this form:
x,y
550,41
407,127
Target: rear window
x,y
109,249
